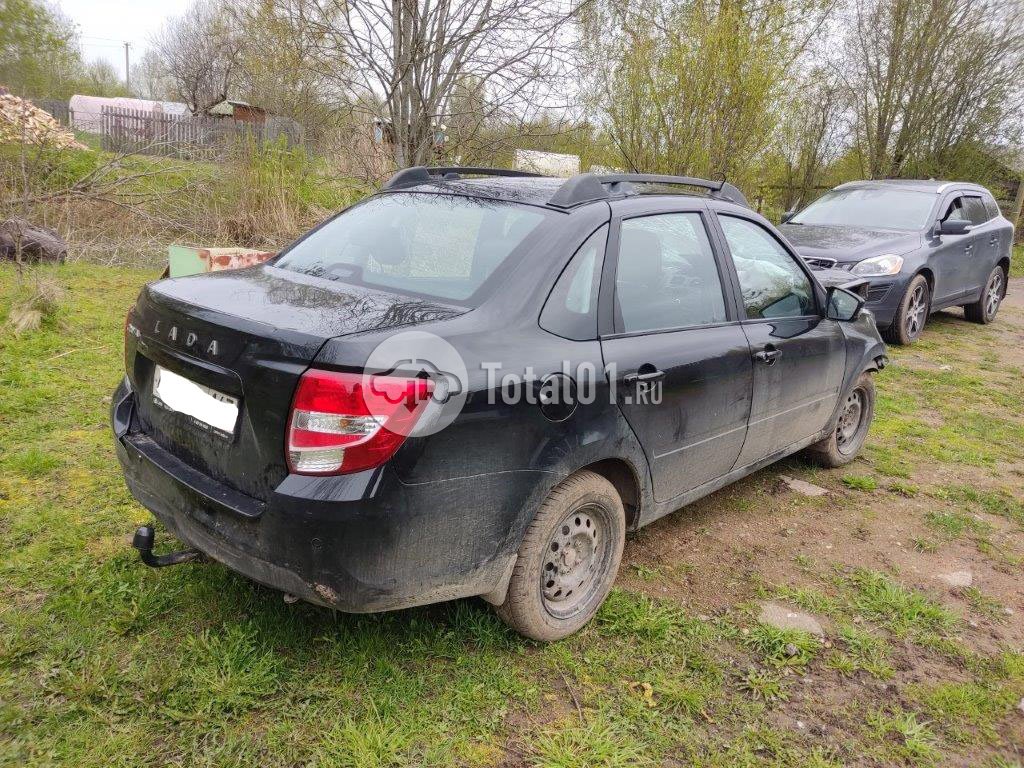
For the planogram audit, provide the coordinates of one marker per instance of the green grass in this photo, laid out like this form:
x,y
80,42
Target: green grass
x,y
106,663
1017,261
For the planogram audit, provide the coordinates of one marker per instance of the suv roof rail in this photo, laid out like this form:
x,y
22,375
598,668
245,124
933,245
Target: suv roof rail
x,y
420,174
587,187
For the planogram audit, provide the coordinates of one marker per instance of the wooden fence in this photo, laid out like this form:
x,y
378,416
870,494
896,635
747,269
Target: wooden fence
x,y
184,136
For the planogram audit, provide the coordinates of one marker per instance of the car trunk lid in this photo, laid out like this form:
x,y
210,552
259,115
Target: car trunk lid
x,y
245,337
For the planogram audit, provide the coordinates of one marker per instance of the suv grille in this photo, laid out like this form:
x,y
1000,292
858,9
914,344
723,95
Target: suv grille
x,y
819,263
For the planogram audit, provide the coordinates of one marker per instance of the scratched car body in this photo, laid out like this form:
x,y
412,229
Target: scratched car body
x,y
664,344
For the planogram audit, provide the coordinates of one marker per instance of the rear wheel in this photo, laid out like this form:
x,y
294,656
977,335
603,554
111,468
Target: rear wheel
x,y
985,308
856,414
568,560
912,313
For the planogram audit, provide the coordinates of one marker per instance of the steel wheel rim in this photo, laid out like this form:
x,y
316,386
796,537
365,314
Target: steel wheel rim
x,y
575,559
994,294
916,311
851,420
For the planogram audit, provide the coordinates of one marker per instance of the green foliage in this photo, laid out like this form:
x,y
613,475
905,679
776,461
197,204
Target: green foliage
x,y
901,610
860,482
899,736
781,647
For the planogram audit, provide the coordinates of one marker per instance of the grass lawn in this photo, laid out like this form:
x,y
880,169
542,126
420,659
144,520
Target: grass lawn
x,y
104,662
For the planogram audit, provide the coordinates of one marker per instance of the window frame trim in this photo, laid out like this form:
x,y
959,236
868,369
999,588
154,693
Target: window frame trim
x,y
607,294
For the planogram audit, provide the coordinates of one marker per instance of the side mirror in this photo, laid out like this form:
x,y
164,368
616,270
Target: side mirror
x,y
842,304
953,227
787,216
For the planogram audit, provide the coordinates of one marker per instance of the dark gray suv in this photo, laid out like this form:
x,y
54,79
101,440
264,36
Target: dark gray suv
x,y
923,245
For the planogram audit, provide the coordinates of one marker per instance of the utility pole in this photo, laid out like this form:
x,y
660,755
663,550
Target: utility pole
x,y
127,77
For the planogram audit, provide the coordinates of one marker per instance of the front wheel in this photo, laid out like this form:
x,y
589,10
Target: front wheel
x,y
984,309
568,560
855,416
912,313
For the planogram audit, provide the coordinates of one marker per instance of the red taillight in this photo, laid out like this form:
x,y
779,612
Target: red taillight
x,y
346,422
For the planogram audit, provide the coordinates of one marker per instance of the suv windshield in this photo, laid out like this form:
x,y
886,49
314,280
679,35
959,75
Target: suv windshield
x,y
869,207
442,246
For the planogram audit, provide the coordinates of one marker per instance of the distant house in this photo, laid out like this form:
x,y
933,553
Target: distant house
x,y
239,111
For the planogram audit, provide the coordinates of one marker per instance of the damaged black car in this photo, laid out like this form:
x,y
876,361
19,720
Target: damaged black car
x,y
475,382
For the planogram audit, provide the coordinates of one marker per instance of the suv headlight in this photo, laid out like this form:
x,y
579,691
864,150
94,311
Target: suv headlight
x,y
876,266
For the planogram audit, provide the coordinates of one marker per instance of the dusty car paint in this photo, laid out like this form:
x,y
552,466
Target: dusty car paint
x,y
444,517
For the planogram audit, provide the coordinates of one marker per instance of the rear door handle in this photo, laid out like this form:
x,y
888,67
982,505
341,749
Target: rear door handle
x,y
768,355
993,240
647,372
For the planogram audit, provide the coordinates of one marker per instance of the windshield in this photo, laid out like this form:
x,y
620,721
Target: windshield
x,y
870,207
441,246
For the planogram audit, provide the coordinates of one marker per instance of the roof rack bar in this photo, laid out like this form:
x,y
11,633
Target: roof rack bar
x,y
420,174
586,187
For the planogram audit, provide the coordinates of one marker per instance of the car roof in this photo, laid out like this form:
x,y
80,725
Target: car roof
x,y
916,185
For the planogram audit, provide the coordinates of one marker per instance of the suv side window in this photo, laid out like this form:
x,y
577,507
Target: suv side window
x,y
772,283
571,308
976,212
957,210
991,206
666,276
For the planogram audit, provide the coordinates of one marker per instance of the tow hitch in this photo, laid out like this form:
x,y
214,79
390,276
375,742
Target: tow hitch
x,y
143,541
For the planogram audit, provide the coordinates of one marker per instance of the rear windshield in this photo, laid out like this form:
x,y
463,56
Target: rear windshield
x,y
870,207
442,246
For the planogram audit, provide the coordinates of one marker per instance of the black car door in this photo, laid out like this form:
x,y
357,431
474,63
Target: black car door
x,y
799,355
672,343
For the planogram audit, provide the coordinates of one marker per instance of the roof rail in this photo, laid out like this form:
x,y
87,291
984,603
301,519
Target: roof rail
x,y
587,187
420,174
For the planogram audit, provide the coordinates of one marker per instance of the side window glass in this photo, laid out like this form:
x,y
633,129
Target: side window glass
x,y
571,308
991,206
666,275
976,212
957,211
772,283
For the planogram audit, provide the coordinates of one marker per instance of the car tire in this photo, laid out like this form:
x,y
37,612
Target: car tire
x,y
568,559
844,443
912,313
985,308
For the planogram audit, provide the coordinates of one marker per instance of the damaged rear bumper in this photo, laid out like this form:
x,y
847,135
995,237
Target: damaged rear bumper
x,y
359,543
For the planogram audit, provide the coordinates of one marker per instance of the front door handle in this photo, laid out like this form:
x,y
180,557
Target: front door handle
x,y
969,249
768,355
647,372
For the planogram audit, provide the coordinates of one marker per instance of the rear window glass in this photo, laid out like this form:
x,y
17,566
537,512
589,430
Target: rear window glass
x,y
442,246
869,207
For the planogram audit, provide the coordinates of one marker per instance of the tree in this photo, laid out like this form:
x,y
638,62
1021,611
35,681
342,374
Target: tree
x,y
411,63
932,78
694,86
812,133
38,52
200,52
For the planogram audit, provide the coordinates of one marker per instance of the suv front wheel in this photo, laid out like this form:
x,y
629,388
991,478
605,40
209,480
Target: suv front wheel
x,y
568,560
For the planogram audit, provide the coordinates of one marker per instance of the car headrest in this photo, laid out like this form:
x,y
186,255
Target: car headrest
x,y
641,256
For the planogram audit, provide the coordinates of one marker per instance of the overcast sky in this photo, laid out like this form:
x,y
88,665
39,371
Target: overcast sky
x,y
105,25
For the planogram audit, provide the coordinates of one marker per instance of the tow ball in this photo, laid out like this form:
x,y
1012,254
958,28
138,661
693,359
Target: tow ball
x,y
143,541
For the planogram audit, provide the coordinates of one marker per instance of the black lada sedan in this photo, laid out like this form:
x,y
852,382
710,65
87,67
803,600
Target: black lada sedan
x,y
922,245
476,386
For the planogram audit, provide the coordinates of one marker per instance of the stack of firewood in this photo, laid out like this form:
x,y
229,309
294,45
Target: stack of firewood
x,y
24,123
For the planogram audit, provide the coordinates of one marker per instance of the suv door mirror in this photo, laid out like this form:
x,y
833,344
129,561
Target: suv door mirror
x,y
953,227
842,305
